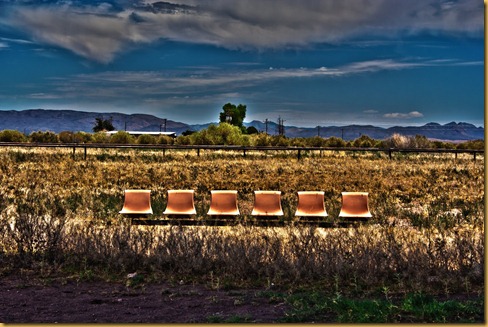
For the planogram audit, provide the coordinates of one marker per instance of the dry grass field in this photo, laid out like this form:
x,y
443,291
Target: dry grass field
x,y
59,216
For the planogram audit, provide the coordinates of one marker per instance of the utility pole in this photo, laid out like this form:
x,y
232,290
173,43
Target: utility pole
x,y
281,126
318,131
266,124
161,125
342,130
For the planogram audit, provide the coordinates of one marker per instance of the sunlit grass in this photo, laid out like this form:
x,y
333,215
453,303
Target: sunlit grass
x,y
426,233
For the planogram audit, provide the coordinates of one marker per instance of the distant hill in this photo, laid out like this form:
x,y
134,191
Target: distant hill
x,y
57,121
449,132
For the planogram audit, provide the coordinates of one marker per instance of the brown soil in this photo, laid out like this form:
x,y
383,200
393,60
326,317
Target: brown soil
x,y
69,301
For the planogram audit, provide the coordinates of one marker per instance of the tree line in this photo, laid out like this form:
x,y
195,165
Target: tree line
x,y
230,131
226,134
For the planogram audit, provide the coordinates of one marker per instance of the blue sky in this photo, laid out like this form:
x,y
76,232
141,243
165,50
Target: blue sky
x,y
330,62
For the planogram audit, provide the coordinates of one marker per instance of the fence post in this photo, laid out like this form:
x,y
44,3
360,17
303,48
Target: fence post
x,y
299,154
244,152
84,157
389,153
474,156
198,152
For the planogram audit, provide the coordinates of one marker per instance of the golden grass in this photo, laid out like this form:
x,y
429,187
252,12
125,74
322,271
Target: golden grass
x,y
426,232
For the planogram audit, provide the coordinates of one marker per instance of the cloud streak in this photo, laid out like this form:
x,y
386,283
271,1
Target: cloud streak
x,y
100,32
409,115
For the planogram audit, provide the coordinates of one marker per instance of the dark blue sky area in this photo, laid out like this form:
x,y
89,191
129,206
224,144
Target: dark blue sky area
x,y
321,63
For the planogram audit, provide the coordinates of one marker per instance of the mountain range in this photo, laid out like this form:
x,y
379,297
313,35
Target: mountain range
x,y
57,121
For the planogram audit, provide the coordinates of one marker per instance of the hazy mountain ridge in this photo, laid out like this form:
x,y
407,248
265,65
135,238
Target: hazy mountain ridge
x,y
57,121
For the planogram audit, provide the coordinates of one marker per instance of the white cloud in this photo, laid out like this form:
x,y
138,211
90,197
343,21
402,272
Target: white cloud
x,y
409,115
101,32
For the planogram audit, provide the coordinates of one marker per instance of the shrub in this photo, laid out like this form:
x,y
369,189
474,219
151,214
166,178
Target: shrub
x,y
224,133
147,139
316,141
66,137
164,139
122,137
472,145
363,142
44,137
261,139
100,137
335,142
83,137
419,142
9,135
397,141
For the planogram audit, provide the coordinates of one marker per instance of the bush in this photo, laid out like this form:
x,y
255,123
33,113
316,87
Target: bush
x,y
66,137
261,139
122,137
363,142
420,142
224,133
472,145
147,139
44,137
335,142
316,141
182,140
83,137
9,135
100,137
164,139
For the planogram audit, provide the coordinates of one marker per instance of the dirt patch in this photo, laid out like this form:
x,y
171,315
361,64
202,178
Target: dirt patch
x,y
69,301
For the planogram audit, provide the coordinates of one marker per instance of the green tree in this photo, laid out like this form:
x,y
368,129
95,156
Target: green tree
x,y
103,125
252,130
233,115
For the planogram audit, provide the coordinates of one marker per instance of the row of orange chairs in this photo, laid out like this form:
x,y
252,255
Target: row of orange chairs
x,y
266,203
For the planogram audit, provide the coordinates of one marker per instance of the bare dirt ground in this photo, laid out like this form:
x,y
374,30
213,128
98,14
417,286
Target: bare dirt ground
x,y
68,301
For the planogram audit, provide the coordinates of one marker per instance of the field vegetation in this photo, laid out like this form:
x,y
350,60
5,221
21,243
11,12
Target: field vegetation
x,y
59,216
227,134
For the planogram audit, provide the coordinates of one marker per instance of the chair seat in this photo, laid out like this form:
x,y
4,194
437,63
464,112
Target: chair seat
x,y
267,203
311,204
355,205
223,203
180,202
137,202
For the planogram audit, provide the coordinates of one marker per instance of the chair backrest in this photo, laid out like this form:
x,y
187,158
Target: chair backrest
x,y
355,204
180,202
311,203
223,202
137,202
267,203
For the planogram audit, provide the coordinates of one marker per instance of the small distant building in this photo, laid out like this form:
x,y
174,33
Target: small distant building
x,y
138,133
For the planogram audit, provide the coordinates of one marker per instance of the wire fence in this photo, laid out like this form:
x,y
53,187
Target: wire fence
x,y
239,148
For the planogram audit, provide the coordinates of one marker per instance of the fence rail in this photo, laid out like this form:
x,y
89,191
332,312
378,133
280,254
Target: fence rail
x,y
239,148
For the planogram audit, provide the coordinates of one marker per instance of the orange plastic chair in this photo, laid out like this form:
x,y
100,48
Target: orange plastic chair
x,y
355,205
180,202
137,202
267,203
223,203
311,204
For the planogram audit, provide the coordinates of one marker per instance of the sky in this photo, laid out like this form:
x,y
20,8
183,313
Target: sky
x,y
310,63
